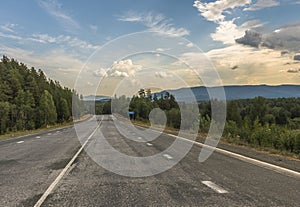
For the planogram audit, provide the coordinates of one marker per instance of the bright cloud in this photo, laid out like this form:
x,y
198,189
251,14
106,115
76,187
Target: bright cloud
x,y
227,31
156,23
123,68
214,11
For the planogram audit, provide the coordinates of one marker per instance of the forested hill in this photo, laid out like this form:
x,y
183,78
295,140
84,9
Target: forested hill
x,y
29,100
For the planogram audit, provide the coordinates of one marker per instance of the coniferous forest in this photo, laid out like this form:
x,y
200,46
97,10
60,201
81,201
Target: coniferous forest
x,y
272,124
29,100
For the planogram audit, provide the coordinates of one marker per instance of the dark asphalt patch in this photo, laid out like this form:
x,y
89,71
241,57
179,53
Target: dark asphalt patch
x,y
8,162
59,164
29,202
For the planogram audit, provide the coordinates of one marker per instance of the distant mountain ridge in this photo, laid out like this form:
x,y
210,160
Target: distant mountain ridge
x,y
239,92
233,92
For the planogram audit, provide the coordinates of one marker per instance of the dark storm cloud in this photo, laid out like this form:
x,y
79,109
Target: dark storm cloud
x,y
285,38
297,57
250,38
293,70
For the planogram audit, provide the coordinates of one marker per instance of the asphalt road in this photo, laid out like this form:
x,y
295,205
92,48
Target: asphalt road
x,y
29,164
28,168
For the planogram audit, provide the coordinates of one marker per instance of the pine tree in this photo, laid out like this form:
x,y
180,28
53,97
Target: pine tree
x,y
47,110
4,116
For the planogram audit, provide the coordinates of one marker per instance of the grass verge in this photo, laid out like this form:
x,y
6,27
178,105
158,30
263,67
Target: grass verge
x,y
43,129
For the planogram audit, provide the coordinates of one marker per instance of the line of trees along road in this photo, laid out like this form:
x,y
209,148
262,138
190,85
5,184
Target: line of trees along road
x,y
266,123
29,100
259,122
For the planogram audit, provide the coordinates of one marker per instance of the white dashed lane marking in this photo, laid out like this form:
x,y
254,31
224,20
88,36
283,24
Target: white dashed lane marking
x,y
169,157
149,144
215,187
20,142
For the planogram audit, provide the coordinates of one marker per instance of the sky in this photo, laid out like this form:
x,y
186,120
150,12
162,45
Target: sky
x,y
248,42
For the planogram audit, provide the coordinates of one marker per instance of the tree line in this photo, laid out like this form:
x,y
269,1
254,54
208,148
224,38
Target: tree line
x,y
29,100
259,122
265,123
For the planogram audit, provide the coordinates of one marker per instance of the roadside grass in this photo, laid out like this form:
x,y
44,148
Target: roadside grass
x,y
26,132
43,129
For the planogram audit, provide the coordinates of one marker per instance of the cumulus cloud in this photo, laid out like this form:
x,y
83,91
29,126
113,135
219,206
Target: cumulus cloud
x,y
214,11
227,30
261,4
155,22
123,68
117,73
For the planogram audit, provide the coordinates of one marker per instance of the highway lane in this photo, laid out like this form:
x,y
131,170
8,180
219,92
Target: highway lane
x,y
29,164
219,181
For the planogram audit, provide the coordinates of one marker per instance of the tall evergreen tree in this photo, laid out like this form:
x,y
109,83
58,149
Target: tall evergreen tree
x,y
47,110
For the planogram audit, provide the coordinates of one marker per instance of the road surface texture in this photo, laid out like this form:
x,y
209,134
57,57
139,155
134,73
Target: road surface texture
x,y
30,165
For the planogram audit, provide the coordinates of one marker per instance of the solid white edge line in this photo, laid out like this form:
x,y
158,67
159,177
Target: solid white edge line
x,y
62,173
214,187
273,167
253,161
